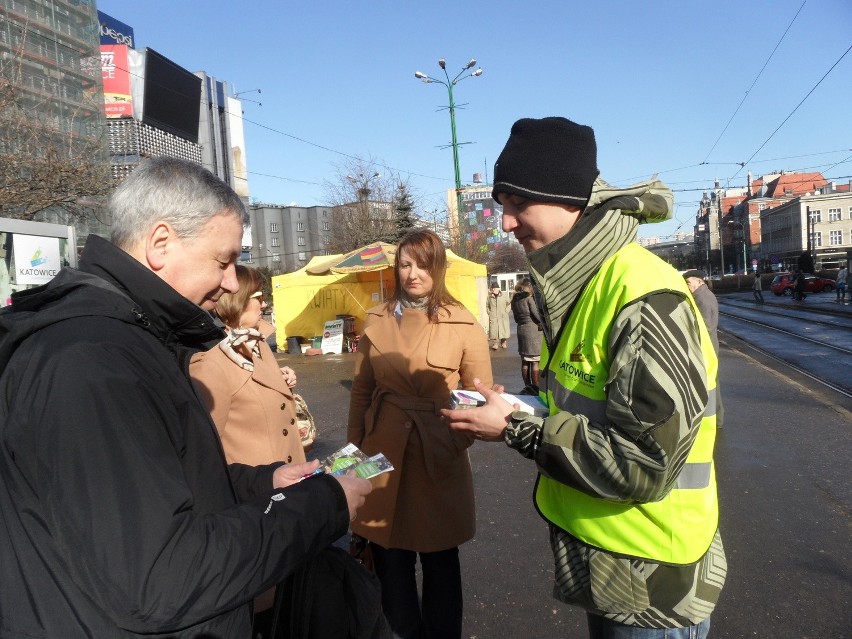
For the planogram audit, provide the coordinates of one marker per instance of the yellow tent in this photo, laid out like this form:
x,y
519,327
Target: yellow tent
x,y
304,301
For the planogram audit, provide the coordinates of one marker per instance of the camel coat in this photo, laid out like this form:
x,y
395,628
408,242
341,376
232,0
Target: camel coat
x,y
404,372
254,411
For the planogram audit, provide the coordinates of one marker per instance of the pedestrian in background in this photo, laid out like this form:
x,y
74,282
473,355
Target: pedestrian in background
x,y
497,308
120,515
413,351
799,291
841,284
625,457
757,289
527,318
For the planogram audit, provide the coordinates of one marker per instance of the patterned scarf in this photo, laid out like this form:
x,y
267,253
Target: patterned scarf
x,y
417,303
562,269
237,337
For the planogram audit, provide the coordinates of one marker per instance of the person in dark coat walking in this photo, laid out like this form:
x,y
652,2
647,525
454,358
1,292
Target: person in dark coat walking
x,y
799,292
528,319
120,515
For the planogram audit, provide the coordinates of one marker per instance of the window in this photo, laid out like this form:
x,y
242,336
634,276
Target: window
x,y
302,256
276,258
273,228
816,216
817,240
835,238
301,240
326,227
834,215
300,226
850,212
276,241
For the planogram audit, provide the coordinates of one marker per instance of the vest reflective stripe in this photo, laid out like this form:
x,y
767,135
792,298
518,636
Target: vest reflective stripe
x,y
679,528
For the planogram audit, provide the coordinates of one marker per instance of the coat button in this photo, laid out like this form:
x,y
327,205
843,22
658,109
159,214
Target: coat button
x,y
283,406
284,432
289,458
407,424
292,421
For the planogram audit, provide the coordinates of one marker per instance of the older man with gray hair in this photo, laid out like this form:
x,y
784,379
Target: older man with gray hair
x,y
120,516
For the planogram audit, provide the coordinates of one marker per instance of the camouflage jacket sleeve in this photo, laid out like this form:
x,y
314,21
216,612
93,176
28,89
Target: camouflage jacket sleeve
x,y
656,392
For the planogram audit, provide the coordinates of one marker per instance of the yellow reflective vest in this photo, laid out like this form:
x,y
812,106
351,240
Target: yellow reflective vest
x,y
679,528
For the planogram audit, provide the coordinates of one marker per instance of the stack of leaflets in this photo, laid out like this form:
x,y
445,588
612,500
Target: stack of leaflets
x,y
531,404
350,458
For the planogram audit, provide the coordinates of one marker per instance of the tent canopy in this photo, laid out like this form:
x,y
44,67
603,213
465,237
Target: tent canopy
x,y
305,299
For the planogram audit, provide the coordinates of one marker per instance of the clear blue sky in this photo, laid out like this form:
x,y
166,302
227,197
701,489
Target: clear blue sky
x,y
659,81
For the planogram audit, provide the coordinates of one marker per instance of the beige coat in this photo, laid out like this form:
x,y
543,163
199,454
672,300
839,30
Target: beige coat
x,y
253,411
498,316
403,375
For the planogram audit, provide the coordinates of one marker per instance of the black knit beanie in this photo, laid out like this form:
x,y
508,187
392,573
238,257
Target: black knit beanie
x,y
548,160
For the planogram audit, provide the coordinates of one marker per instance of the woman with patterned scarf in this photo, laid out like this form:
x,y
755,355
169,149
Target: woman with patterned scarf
x,y
249,397
414,350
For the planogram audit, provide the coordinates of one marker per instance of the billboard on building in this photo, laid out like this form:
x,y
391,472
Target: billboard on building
x,y
115,72
114,31
172,97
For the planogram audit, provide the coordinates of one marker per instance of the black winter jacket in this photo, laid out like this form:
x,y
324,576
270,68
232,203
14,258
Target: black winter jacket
x,y
118,515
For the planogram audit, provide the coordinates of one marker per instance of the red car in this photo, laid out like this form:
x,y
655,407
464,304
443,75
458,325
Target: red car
x,y
785,284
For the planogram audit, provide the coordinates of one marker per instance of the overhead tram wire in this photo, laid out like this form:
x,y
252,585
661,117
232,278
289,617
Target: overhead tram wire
x,y
814,88
748,92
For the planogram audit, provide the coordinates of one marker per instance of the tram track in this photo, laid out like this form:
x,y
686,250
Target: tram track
x,y
779,335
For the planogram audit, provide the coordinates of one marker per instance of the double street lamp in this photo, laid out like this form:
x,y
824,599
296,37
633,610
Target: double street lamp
x,y
452,108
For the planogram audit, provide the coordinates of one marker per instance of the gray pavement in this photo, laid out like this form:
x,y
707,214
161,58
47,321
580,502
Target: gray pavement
x,y
784,494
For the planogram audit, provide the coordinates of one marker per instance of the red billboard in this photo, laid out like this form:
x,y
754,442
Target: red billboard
x,y
116,76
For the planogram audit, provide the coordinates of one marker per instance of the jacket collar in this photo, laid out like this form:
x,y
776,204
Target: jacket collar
x,y
562,269
169,315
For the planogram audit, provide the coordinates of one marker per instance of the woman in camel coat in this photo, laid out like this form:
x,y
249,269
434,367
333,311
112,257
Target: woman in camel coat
x,y
243,387
249,397
413,351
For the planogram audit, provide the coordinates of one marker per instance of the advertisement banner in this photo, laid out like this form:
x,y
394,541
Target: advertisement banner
x,y
332,337
116,76
114,31
37,258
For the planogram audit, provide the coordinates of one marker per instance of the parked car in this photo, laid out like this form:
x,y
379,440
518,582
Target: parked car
x,y
785,284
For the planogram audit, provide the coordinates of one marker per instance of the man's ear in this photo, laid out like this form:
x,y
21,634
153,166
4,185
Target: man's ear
x,y
160,238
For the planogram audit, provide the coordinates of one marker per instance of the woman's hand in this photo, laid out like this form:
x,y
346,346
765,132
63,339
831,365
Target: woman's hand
x,y
289,376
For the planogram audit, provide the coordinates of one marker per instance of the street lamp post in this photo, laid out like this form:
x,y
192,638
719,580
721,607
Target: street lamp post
x,y
452,108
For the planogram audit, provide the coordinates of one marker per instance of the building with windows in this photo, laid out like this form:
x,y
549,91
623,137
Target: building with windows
x,y
285,238
51,103
154,107
728,229
479,227
819,222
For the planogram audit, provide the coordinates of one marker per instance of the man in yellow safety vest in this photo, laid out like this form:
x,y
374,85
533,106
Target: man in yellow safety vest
x,y
625,456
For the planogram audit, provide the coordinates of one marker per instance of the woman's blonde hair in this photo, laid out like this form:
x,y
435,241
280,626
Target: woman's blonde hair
x,y
230,306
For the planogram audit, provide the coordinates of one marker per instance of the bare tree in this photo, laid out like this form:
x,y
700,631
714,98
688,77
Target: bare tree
x,y
371,204
507,258
52,150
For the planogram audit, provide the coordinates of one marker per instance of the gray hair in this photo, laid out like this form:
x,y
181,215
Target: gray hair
x,y
182,193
